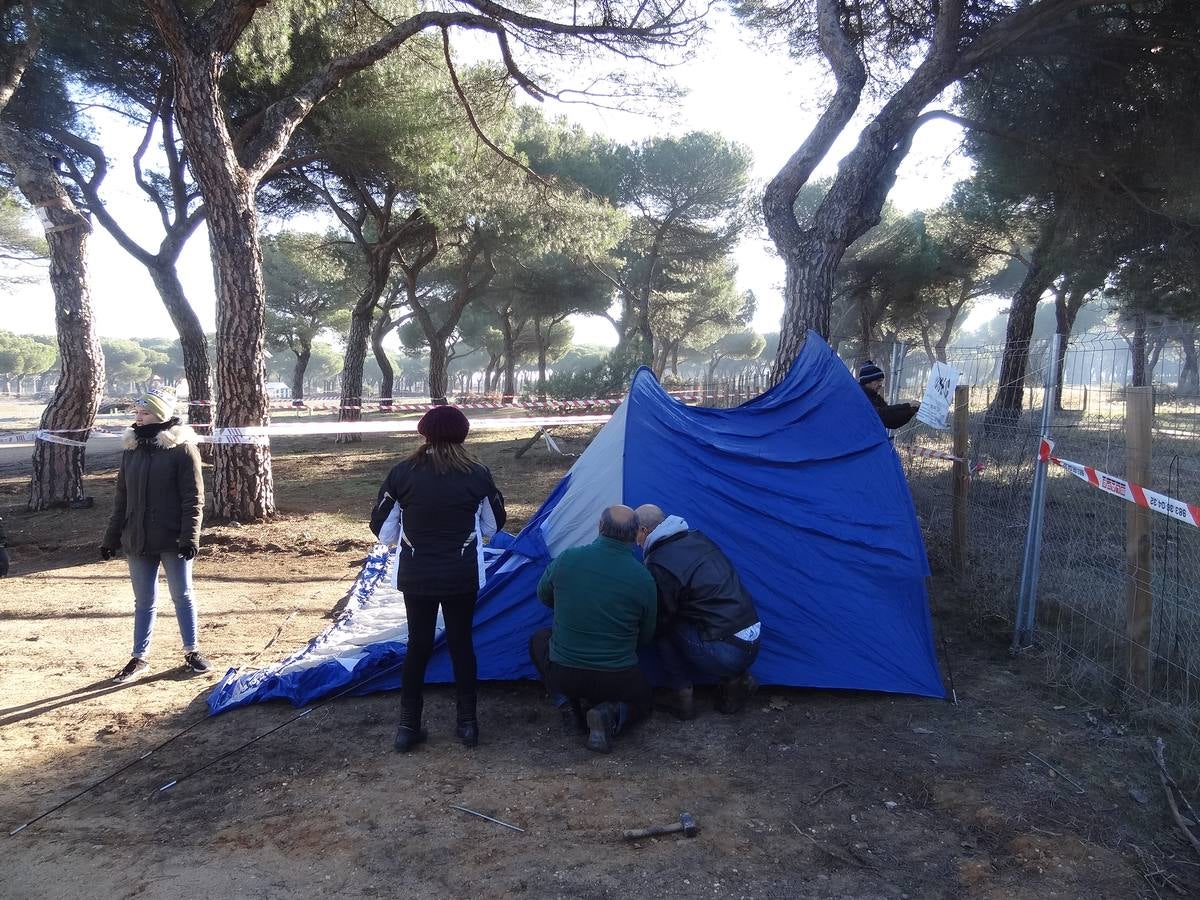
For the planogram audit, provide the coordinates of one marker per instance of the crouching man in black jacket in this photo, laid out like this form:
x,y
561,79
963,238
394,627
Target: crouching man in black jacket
x,y
707,624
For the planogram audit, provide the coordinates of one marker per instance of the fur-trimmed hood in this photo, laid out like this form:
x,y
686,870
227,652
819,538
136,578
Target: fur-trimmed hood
x,y
166,439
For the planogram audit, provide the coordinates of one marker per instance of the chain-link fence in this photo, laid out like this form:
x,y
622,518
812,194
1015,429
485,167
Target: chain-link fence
x,y
1117,598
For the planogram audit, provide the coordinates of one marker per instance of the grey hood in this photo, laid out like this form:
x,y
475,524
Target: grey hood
x,y
669,526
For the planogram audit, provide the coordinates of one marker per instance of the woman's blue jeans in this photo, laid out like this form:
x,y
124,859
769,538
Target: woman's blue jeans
x,y
143,572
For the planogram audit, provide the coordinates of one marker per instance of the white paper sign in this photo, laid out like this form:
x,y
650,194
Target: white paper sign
x,y
939,393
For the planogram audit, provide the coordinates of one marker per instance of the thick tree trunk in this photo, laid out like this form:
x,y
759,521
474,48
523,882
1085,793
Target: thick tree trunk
x,y
510,360
298,371
192,340
489,371
542,341
439,364
1189,375
242,483
58,468
1156,349
1006,406
1064,321
350,408
1137,349
812,251
383,324
378,267
808,285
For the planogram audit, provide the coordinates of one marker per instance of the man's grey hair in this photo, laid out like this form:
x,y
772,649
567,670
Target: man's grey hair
x,y
619,523
649,516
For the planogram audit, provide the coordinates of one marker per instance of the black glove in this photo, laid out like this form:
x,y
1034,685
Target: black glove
x,y
107,553
187,550
4,560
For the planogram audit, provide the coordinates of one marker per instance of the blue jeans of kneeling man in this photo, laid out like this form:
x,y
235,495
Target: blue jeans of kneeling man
x,y
686,656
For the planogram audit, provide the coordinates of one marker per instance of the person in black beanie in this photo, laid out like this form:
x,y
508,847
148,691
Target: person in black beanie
x,y
436,507
893,415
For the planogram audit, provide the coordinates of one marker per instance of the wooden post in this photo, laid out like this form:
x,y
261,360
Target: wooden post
x,y
1139,414
962,480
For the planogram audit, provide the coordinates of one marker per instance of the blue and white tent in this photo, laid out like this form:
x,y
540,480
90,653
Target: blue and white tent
x,y
799,486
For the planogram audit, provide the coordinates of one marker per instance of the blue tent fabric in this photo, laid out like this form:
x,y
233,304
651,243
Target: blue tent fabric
x,y
800,487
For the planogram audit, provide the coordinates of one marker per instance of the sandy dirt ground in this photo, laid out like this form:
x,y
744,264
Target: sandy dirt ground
x,y
806,794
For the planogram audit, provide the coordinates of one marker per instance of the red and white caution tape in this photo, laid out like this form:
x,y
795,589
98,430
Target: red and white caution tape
x,y
1188,513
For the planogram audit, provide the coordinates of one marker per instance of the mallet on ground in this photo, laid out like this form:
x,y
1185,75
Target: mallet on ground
x,y
686,824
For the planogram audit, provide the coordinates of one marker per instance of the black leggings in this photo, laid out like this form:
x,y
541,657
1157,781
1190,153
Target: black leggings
x,y
458,611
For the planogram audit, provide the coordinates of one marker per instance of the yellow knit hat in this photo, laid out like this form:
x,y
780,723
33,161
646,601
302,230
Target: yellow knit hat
x,y
159,402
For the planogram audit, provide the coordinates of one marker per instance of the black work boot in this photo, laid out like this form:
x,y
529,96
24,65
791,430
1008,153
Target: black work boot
x,y
602,723
734,693
573,721
410,733
467,728
681,704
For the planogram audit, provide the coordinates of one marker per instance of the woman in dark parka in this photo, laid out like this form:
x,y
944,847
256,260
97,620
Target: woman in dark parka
x,y
156,519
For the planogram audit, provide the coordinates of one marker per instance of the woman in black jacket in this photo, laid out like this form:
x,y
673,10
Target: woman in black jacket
x,y
156,519
437,506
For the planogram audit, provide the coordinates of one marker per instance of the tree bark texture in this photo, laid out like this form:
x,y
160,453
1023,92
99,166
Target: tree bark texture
x,y
1189,375
58,468
302,357
193,342
543,339
812,251
242,484
510,358
352,369
1137,349
1065,312
387,385
1156,349
439,362
1006,406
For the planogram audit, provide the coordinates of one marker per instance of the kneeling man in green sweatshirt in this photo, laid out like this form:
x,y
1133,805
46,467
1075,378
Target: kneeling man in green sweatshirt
x,y
605,605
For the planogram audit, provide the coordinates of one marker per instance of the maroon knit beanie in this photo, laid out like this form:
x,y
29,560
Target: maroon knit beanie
x,y
444,425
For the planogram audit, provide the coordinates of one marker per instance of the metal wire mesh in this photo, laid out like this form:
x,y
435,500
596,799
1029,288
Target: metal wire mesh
x,y
1084,610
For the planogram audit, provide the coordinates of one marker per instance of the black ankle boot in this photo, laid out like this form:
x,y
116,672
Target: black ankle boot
x,y
602,725
572,718
681,704
410,733
467,728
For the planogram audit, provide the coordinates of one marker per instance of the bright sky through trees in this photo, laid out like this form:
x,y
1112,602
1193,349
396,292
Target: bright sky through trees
x,y
734,88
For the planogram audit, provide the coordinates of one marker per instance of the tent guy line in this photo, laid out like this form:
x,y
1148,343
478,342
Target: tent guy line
x,y
212,762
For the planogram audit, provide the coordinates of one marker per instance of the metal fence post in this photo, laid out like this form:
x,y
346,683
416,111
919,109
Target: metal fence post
x,y
1139,415
1026,619
962,480
899,351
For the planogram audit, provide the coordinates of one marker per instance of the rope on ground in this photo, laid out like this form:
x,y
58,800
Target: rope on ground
x,y
109,777
300,715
